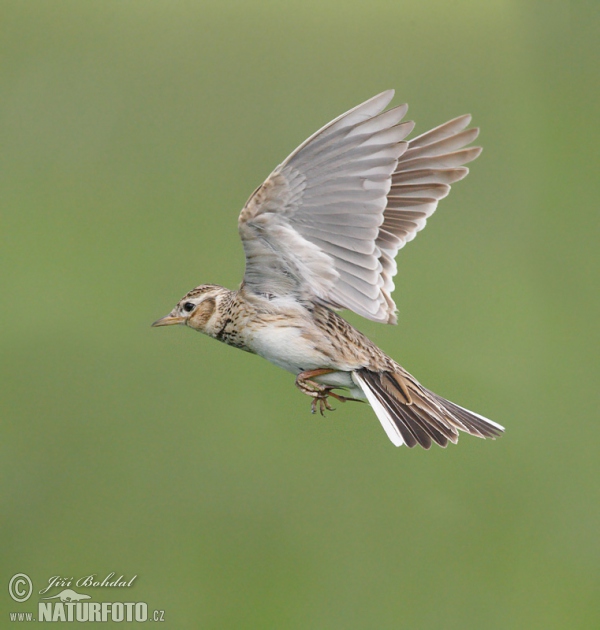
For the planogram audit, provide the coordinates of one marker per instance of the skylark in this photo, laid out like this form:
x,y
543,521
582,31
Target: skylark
x,y
321,234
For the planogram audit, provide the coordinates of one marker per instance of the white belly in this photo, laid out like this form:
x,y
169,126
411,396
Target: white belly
x,y
286,347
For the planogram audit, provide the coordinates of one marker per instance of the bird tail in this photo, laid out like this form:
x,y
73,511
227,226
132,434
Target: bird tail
x,y
411,414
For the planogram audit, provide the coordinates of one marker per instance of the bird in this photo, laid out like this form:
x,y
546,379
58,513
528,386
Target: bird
x,y
320,235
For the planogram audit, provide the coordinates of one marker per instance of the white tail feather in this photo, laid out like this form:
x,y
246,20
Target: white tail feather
x,y
389,426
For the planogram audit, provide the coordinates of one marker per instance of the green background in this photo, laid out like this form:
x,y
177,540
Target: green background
x,y
131,134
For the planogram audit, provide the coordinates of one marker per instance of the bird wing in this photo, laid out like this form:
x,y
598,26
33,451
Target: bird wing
x,y
328,222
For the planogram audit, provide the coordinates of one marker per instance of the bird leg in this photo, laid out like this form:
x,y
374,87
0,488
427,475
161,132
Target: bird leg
x,y
319,392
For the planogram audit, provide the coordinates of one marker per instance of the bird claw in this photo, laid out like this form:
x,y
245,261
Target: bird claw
x,y
338,396
319,393
321,399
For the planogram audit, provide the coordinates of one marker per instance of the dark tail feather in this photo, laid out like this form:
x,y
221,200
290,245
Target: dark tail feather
x,y
411,414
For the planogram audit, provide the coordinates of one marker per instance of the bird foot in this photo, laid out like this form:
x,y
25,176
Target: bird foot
x,y
319,393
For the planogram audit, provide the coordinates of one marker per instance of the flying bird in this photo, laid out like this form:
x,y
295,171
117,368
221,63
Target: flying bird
x,y
321,234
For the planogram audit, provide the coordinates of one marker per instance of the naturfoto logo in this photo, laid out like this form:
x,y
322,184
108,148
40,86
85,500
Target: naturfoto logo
x,y
71,605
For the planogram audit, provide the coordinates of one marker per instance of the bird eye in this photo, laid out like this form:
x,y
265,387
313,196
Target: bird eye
x,y
188,307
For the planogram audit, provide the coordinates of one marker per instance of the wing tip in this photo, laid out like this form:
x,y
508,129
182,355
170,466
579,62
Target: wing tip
x,y
467,118
472,153
382,99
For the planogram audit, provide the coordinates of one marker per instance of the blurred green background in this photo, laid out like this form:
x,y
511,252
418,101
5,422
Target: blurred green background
x,y
131,134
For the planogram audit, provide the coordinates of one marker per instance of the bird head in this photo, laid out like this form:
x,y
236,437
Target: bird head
x,y
196,308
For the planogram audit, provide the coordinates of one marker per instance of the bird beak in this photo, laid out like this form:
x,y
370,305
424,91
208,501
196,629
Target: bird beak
x,y
169,320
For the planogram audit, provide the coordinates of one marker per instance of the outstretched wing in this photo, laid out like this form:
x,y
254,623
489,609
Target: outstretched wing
x,y
328,222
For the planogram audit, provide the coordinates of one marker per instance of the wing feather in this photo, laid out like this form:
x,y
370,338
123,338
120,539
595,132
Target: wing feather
x,y
449,160
368,261
371,276
360,245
